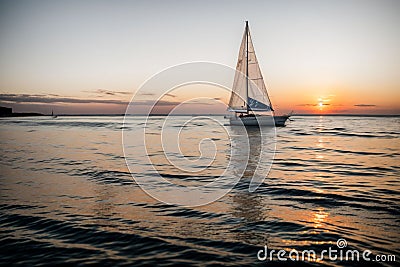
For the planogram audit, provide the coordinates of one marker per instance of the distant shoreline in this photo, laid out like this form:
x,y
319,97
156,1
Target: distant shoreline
x,y
32,114
349,115
22,114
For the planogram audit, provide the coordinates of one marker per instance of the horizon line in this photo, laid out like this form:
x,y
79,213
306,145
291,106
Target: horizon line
x,y
34,114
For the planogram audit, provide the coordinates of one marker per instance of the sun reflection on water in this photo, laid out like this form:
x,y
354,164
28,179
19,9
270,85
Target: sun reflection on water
x,y
319,217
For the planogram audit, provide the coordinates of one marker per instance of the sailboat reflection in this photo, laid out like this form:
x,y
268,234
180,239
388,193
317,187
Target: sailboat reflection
x,y
254,150
249,206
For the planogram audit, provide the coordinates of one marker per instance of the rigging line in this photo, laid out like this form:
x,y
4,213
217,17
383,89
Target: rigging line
x,y
247,66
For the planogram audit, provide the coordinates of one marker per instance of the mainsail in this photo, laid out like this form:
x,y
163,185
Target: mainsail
x,y
249,92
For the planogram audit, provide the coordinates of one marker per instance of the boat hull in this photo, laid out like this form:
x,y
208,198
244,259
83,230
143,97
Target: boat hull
x,y
280,120
259,121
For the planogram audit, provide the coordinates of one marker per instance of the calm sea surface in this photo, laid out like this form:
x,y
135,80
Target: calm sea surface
x,y
67,196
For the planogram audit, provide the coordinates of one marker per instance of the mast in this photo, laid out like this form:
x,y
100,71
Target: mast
x,y
247,66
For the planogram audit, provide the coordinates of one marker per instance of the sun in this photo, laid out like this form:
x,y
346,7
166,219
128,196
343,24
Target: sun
x,y
320,103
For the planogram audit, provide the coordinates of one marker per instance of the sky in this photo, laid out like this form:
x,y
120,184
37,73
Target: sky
x,y
90,57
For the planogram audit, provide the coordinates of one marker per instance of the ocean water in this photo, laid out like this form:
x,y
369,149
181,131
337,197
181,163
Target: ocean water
x,y
67,196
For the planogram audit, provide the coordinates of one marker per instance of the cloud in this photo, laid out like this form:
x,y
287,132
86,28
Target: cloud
x,y
107,92
313,105
364,105
47,99
43,103
152,94
147,94
151,102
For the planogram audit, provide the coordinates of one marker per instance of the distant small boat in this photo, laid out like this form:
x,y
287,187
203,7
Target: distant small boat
x,y
249,93
52,115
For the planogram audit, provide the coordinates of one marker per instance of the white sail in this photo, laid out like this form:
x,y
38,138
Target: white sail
x,y
249,92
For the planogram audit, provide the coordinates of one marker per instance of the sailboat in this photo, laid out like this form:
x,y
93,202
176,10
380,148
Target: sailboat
x,y
52,115
249,99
